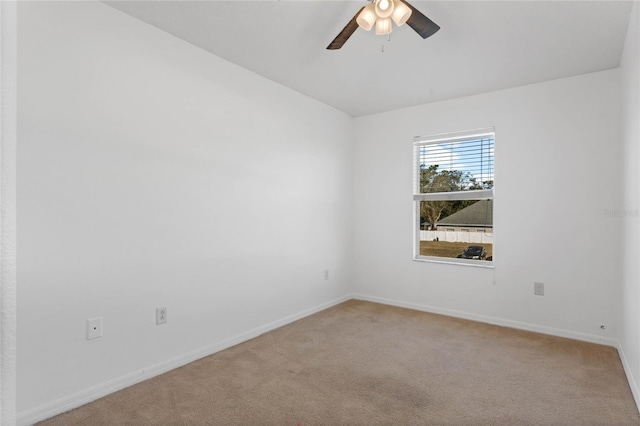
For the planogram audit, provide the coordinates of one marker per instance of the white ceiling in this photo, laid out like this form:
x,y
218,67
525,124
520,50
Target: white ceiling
x,y
482,45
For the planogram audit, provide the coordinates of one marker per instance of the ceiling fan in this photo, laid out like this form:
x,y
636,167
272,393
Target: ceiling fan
x,y
381,13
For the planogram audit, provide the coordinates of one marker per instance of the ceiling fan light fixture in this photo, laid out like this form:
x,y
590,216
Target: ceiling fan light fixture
x,y
383,26
367,17
382,13
401,12
384,8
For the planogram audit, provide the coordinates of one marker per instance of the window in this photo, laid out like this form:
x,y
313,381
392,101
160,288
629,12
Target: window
x,y
453,194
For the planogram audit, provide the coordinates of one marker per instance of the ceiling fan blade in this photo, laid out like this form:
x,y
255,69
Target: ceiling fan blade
x,y
346,32
424,26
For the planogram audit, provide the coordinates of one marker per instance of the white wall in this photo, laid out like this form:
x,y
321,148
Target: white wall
x,y
630,303
8,268
557,158
153,173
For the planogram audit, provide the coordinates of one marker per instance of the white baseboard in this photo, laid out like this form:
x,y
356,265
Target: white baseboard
x,y
592,338
78,399
627,370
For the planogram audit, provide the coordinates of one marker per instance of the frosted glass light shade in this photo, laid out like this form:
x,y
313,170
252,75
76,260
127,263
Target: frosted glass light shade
x,y
384,8
401,12
383,26
367,17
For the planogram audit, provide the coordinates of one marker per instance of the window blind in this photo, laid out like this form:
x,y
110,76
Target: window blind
x,y
456,166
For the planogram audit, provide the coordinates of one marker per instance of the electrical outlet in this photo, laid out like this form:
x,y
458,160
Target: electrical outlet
x,y
326,274
161,315
538,289
94,328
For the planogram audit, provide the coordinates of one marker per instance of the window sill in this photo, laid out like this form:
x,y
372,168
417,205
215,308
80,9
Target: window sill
x,y
473,263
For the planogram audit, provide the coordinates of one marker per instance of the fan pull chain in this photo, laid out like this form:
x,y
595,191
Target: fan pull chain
x,y
382,45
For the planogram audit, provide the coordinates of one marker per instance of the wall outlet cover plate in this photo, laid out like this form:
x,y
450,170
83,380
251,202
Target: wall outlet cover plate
x,y
94,328
161,315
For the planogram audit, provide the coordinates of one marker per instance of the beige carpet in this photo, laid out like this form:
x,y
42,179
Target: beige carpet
x,y
362,363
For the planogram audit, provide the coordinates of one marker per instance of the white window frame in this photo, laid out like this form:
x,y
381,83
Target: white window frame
x,y
485,194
